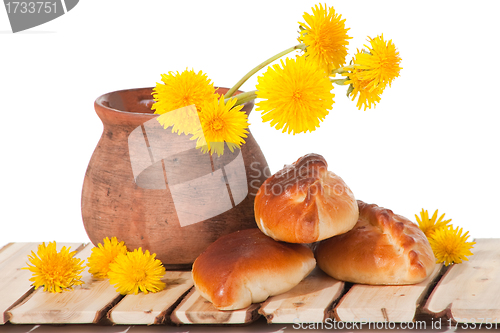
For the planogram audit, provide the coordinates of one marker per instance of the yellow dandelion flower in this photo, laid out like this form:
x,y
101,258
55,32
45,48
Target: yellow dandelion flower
x,y
184,120
296,96
360,88
450,246
103,255
55,271
181,89
136,271
379,65
429,226
221,123
325,37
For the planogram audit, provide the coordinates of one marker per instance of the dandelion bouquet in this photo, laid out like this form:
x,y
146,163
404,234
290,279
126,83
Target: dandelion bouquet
x,y
294,95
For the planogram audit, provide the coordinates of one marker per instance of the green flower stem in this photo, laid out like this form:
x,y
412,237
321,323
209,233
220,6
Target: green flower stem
x,y
262,65
339,81
244,97
342,70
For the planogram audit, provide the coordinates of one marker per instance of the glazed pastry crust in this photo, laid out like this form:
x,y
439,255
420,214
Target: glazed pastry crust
x,y
383,249
247,267
305,203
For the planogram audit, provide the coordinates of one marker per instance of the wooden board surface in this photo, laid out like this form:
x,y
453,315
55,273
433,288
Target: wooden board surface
x,y
85,304
309,301
14,281
152,308
364,303
469,292
194,309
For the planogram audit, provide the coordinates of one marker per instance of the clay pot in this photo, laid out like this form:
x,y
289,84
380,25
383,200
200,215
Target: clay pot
x,y
152,188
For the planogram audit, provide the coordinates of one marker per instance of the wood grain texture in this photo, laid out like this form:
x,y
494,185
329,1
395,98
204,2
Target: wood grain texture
x,y
309,301
87,303
9,250
14,281
468,292
194,309
152,308
368,303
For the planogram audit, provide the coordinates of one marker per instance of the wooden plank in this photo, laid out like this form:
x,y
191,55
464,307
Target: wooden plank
x,y
365,303
14,281
152,308
310,301
9,250
87,303
469,291
194,309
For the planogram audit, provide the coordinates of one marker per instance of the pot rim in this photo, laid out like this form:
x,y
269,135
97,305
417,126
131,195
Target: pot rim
x,y
105,98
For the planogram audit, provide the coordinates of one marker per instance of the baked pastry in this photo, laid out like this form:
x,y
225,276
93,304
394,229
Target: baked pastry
x,y
247,267
383,248
305,203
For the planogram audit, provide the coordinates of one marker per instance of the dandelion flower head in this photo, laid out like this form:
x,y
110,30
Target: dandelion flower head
x,y
380,65
185,120
221,122
103,255
55,271
450,246
136,271
429,226
325,37
296,95
181,89
360,88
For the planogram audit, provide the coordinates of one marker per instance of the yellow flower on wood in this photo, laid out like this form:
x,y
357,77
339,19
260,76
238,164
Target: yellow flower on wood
x,y
450,246
296,95
378,66
429,226
55,271
181,89
325,37
103,255
136,271
221,122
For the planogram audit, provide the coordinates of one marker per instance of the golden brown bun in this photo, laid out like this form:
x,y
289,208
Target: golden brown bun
x,y
247,267
305,203
383,248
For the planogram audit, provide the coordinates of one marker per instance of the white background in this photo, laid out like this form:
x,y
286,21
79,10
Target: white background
x,y
431,143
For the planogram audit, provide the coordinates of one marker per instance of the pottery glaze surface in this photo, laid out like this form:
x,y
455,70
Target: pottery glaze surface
x,y
152,188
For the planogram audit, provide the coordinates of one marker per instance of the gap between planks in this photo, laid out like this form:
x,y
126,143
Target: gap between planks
x,y
309,301
194,309
368,303
152,308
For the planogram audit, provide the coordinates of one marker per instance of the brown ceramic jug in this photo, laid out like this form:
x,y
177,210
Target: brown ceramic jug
x,y
152,188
